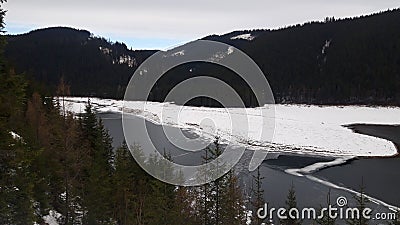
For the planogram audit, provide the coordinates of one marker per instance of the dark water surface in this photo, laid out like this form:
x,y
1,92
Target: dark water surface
x,y
381,176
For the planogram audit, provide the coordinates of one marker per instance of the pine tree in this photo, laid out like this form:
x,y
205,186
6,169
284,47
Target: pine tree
x,y
211,192
68,155
257,196
164,194
233,211
219,201
142,199
142,190
16,176
21,186
291,203
98,178
184,209
125,193
361,201
37,134
202,195
326,219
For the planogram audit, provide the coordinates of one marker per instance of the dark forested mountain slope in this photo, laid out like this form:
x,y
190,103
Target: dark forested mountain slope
x,y
90,65
337,61
346,61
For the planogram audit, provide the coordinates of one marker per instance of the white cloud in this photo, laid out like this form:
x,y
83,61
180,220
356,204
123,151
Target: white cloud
x,y
180,19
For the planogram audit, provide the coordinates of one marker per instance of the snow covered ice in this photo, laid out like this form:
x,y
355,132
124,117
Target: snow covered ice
x,y
299,129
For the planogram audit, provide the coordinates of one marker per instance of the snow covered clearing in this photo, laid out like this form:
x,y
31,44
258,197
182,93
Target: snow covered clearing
x,y
248,37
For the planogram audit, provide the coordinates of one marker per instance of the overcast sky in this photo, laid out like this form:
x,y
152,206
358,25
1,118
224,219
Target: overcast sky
x,y
159,24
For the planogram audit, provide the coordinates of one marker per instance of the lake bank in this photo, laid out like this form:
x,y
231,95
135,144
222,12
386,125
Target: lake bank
x,y
379,174
388,132
297,129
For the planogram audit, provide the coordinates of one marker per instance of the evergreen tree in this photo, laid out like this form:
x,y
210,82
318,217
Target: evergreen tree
x,y
184,209
233,211
217,186
326,219
98,178
361,201
162,199
16,174
291,203
211,197
257,196
68,156
220,201
125,193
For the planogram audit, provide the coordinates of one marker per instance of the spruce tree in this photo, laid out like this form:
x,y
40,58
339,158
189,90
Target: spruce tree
x,y
326,219
125,193
212,192
291,203
16,176
219,201
361,201
184,210
98,179
68,155
233,211
257,196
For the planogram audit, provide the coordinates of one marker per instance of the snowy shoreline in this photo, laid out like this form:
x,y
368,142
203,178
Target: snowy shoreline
x,y
299,129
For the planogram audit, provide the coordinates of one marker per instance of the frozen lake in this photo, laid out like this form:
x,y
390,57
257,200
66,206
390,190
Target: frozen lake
x,y
317,147
277,181
298,129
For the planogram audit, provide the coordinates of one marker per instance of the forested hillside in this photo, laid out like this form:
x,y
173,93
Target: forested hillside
x,y
91,65
337,61
341,61
57,167
60,168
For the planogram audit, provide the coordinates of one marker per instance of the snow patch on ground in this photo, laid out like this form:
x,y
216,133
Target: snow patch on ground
x,y
248,37
299,129
126,59
221,55
105,51
52,218
16,136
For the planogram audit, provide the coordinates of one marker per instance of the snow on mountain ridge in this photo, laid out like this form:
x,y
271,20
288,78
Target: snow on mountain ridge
x,y
248,37
326,46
